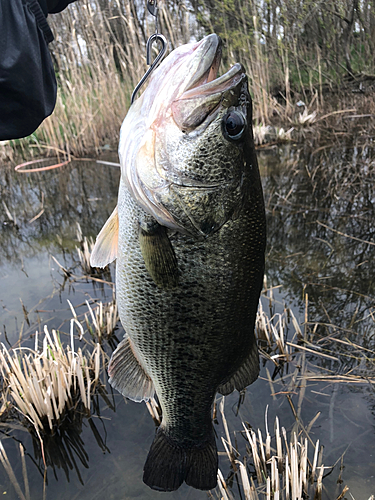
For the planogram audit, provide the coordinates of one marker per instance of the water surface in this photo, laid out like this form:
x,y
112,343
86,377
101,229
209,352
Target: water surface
x,y
313,200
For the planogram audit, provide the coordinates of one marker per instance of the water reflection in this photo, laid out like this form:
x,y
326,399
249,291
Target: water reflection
x,y
80,192
64,449
313,200
321,232
320,212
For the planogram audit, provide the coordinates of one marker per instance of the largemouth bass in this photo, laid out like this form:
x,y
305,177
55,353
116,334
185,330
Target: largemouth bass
x,y
189,237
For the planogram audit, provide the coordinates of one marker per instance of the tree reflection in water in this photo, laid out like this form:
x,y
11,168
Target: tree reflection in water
x,y
313,200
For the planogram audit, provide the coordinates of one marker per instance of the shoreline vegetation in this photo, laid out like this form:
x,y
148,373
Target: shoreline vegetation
x,y
310,66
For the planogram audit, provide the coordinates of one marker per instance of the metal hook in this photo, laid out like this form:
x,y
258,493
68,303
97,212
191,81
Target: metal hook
x,y
152,7
159,57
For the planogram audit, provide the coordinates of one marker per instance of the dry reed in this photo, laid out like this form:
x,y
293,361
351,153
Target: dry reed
x,y
84,250
44,385
101,322
99,55
281,466
282,339
283,470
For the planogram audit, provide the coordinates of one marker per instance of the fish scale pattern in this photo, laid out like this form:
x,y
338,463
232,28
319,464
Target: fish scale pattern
x,y
193,338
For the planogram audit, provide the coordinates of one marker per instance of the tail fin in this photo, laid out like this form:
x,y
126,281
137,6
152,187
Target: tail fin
x,y
168,464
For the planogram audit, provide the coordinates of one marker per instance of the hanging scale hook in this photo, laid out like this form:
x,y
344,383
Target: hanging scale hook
x,y
153,9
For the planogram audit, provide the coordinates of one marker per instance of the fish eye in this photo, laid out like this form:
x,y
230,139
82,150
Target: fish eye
x,y
234,125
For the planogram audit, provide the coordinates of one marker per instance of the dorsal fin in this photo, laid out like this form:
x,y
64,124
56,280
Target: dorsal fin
x,y
105,249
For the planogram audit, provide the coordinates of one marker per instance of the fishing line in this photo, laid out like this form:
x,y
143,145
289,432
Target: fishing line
x,y
153,10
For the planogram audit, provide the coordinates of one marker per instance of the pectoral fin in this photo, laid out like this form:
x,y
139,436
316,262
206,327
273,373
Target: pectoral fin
x,y
245,375
127,375
105,249
158,253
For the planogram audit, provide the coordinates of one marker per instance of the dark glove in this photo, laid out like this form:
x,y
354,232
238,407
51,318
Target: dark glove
x,y
55,6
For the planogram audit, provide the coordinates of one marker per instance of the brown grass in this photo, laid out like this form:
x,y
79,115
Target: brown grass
x,y
99,55
43,385
281,465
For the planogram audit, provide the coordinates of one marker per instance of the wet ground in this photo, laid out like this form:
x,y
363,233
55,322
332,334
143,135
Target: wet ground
x,y
320,209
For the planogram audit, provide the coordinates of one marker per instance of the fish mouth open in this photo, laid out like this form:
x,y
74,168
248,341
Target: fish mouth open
x,y
205,81
209,51
204,92
216,85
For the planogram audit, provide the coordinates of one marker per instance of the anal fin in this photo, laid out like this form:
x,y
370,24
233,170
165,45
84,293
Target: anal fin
x,y
246,374
127,375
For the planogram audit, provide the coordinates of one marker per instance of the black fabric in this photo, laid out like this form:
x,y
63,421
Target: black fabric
x,y
55,6
27,79
43,4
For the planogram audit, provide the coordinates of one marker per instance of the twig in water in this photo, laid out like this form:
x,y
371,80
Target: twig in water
x,y
5,461
345,490
346,235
